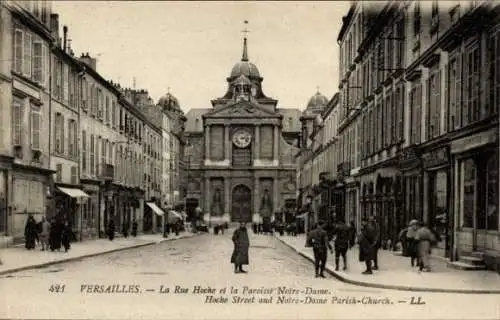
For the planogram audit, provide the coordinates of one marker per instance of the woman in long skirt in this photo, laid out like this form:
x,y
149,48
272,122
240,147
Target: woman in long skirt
x,y
425,238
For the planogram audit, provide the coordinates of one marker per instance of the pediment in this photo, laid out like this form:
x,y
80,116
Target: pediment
x,y
242,109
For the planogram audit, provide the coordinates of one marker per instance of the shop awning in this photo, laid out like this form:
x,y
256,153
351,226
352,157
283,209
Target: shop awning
x,y
73,192
155,208
174,214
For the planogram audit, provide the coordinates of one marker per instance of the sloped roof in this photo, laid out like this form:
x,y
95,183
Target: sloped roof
x,y
195,114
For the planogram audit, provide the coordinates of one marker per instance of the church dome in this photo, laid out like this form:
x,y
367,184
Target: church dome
x,y
169,102
245,68
316,104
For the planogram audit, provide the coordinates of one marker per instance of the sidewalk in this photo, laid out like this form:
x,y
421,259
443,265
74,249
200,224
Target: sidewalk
x,y
17,259
396,273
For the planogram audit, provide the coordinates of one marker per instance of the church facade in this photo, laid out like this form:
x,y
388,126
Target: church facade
x,y
239,154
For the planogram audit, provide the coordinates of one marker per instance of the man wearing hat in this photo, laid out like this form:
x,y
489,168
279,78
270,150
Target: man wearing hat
x,y
376,244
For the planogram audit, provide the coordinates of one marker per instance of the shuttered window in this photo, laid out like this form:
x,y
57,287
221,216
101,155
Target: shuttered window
x,y
18,50
17,121
35,127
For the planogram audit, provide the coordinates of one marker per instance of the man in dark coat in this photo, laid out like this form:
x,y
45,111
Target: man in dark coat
x,y
377,242
111,229
125,228
66,236
241,246
55,235
134,228
367,240
342,234
318,240
30,233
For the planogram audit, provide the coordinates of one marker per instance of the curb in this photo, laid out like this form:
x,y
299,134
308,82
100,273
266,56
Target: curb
x,y
387,286
90,255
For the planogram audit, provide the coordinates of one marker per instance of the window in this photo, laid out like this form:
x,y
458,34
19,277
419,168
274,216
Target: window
x,y
469,192
92,154
72,139
491,205
400,47
59,133
113,113
27,55
104,149
35,127
58,172
434,16
494,79
85,89
65,84
17,120
100,104
106,111
99,142
454,93
471,111
18,50
74,175
38,71
416,113
84,151
433,116
416,19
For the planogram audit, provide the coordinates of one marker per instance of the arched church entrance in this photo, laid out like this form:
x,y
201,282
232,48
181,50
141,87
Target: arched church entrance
x,y
241,204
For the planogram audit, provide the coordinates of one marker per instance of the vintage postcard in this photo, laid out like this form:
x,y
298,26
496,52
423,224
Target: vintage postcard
x,y
147,170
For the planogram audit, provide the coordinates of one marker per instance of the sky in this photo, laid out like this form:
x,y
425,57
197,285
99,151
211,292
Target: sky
x,y
189,48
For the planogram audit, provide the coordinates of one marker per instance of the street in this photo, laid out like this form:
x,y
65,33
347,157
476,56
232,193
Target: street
x,y
184,278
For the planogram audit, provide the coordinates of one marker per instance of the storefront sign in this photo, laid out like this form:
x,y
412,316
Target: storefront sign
x,y
474,141
408,159
435,158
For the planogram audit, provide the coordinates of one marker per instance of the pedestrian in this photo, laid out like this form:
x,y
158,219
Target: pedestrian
x,y
241,246
125,228
366,242
134,228
352,232
55,235
412,243
342,234
30,233
111,229
377,242
66,236
318,240
425,239
44,234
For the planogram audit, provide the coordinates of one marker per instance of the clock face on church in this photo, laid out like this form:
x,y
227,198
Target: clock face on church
x,y
242,138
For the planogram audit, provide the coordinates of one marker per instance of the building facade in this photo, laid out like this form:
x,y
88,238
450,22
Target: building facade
x,y
25,174
418,81
241,151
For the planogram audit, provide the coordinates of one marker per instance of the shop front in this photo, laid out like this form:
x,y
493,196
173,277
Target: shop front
x,y
411,184
476,184
438,196
69,203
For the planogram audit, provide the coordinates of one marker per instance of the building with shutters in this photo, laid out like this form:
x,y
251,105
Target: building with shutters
x,y
240,152
422,78
25,173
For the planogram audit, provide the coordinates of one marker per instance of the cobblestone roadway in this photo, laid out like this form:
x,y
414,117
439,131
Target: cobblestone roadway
x,y
204,261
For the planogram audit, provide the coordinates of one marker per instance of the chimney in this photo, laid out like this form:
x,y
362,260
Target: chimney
x,y
89,61
65,37
54,25
69,46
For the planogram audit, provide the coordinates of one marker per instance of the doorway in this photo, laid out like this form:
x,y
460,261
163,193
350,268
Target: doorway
x,y
3,201
241,204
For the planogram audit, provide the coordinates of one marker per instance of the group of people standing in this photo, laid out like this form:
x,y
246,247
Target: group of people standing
x,y
50,235
111,229
417,241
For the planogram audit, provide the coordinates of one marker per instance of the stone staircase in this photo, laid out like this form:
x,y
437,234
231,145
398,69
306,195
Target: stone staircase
x,y
472,261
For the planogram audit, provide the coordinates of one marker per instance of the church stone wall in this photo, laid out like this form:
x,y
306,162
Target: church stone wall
x,y
266,142
195,152
217,142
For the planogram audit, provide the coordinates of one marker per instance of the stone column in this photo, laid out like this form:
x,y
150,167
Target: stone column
x,y
207,142
227,200
257,143
227,144
256,201
276,144
206,202
276,199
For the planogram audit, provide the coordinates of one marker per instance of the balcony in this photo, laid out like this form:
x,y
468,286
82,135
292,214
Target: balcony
x,y
106,172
